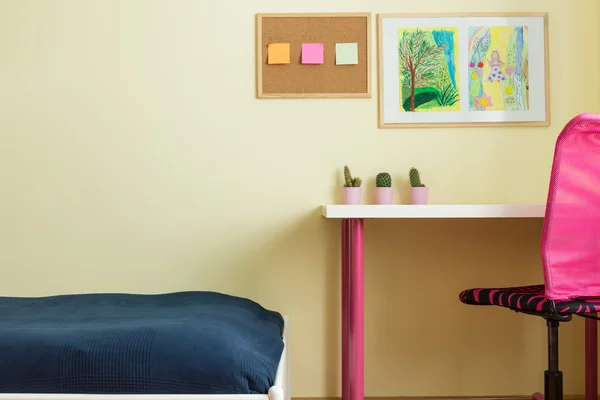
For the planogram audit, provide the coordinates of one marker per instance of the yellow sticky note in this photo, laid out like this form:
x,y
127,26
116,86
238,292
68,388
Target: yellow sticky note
x,y
279,53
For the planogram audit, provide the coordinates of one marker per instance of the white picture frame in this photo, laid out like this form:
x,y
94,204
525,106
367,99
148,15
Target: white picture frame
x,y
463,70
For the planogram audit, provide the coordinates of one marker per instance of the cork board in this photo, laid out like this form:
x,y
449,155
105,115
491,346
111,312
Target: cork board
x,y
326,80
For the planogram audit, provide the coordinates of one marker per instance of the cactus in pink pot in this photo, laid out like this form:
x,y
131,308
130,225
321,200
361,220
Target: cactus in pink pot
x,y
352,187
419,193
384,193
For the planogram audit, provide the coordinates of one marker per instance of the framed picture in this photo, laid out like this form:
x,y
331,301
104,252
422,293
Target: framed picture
x,y
463,70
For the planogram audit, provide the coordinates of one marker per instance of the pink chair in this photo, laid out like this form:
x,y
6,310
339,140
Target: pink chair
x,y
570,252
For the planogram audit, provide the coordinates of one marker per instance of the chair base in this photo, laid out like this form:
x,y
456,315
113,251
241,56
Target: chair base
x,y
553,377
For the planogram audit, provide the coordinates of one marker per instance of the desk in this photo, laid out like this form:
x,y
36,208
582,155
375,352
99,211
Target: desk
x,y
352,221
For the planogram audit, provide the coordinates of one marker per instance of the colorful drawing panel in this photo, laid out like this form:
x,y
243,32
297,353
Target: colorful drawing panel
x,y
467,70
498,68
429,78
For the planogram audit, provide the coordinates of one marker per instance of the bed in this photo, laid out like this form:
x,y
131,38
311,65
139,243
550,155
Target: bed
x,y
184,345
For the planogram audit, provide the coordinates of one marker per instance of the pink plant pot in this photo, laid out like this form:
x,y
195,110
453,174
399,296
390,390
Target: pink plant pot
x,y
384,195
352,195
419,195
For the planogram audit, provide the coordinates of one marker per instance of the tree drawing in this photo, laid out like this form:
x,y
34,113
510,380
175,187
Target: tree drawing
x,y
419,59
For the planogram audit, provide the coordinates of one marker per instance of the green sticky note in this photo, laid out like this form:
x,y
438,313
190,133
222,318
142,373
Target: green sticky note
x,y
346,53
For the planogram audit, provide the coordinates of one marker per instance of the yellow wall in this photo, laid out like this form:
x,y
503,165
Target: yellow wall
x,y
134,157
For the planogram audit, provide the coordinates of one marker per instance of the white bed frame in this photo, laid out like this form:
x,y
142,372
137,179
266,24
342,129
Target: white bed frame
x,y
279,391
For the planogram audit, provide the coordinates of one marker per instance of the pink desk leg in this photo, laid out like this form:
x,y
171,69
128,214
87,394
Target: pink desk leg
x,y
352,309
591,359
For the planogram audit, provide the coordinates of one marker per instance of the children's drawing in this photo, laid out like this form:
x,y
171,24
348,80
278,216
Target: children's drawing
x,y
429,77
498,68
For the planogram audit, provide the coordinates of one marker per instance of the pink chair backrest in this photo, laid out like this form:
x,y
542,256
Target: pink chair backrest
x,y
571,235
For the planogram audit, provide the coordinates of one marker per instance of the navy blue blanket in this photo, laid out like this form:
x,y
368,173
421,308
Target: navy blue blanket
x,y
177,343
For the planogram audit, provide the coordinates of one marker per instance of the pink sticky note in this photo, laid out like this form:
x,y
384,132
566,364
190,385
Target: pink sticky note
x,y
312,53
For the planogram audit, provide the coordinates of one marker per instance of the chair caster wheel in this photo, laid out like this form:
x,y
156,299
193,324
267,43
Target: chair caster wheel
x,y
537,396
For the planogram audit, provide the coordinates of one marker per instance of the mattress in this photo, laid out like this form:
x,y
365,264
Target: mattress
x,y
175,343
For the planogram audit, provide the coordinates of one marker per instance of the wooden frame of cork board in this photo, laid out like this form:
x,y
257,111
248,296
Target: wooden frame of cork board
x,y
326,80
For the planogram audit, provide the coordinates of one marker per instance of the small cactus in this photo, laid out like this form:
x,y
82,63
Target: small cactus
x,y
349,181
383,179
415,179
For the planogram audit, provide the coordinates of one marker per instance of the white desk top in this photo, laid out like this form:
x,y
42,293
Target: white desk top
x,y
434,211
